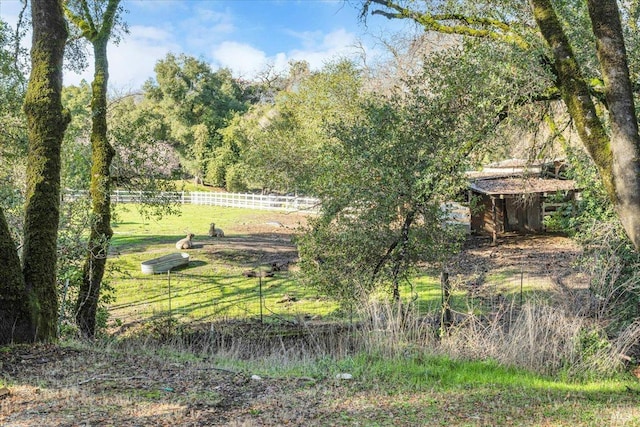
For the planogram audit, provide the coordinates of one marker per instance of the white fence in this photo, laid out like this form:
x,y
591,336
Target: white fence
x,y
255,201
457,213
235,200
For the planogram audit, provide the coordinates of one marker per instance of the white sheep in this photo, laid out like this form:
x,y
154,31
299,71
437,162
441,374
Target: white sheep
x,y
185,243
215,232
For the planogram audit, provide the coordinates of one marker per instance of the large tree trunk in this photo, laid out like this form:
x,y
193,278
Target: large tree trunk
x,y
625,141
16,323
616,156
101,232
46,123
575,91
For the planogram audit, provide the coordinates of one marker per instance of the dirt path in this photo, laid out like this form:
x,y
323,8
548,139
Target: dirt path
x,y
259,243
539,258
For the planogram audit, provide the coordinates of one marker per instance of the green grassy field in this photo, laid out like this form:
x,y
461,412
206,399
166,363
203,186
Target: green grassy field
x,y
213,286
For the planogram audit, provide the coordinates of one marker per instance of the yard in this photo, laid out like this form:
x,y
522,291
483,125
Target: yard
x,y
204,375
216,285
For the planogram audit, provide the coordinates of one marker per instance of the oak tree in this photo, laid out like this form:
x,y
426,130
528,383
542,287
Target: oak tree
x,y
600,100
28,292
95,20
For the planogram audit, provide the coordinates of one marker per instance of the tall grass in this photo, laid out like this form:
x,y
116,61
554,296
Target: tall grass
x,y
539,337
541,340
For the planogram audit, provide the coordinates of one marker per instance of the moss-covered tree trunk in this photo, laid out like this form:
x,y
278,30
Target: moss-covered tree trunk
x,y
615,155
16,322
101,156
625,141
46,123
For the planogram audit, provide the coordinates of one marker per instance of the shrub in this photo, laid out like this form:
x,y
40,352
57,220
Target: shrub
x,y
235,179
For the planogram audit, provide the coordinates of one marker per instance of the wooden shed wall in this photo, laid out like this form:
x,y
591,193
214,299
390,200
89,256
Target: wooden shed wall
x,y
482,219
496,215
524,214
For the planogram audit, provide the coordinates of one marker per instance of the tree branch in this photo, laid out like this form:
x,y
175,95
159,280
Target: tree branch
x,y
109,18
471,26
575,91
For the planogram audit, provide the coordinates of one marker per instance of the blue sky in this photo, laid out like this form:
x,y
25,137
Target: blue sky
x,y
244,35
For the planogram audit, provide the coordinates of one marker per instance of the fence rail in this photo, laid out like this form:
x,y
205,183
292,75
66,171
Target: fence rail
x,y
236,200
457,213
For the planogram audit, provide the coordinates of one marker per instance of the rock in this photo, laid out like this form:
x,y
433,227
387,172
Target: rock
x,y
256,377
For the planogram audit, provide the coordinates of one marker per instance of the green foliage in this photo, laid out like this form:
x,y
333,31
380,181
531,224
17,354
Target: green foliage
x,y
609,257
163,328
12,78
144,161
75,221
383,166
13,132
217,166
282,145
593,205
196,103
387,170
592,344
76,149
236,178
139,134
613,266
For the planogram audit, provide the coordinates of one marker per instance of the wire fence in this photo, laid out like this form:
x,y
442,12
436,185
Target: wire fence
x,y
199,298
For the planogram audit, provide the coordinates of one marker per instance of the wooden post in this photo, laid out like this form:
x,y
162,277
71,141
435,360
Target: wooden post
x,y
169,286
494,218
446,319
260,293
521,283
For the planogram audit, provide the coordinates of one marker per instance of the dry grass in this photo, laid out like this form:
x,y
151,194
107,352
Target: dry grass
x,y
140,383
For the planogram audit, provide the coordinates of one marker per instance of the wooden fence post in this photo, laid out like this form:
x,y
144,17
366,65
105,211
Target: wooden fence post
x,y
446,318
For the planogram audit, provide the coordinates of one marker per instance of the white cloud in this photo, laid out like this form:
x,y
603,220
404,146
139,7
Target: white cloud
x,y
205,27
247,61
132,61
309,39
148,34
243,59
339,43
339,39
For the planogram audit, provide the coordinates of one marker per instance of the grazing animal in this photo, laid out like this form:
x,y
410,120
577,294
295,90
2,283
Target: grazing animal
x,y
215,232
185,243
